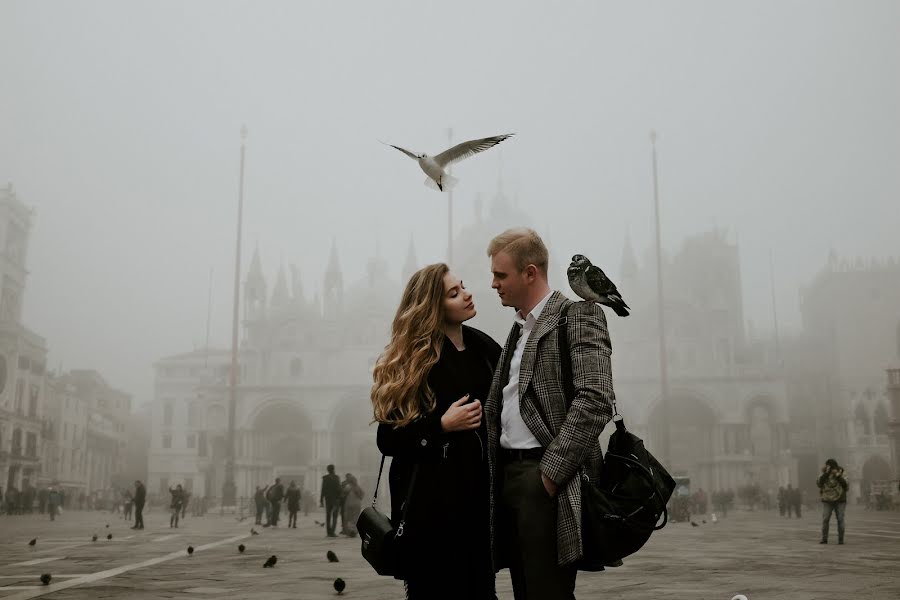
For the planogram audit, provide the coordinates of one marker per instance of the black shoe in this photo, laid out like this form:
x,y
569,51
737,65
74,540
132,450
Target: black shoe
x,y
823,541
840,542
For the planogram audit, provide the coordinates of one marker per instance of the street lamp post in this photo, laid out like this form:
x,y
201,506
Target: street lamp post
x,y
663,371
229,490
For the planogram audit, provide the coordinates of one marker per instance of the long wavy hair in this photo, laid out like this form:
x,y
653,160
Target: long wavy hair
x,y
400,392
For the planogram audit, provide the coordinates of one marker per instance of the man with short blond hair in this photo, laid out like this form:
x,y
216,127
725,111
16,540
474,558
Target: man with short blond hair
x,y
532,428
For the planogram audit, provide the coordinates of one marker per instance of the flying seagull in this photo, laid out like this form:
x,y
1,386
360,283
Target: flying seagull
x,y
434,165
592,284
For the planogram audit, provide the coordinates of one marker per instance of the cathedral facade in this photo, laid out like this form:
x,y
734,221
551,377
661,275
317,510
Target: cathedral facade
x,y
306,364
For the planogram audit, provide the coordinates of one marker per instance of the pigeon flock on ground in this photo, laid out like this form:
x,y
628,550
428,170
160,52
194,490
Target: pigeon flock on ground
x,y
339,584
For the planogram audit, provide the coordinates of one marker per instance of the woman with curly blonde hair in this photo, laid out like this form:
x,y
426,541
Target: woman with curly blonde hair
x,y
429,386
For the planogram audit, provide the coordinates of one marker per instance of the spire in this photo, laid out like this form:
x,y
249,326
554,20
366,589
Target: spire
x,y
629,267
296,284
334,266
333,289
255,289
410,265
280,295
255,275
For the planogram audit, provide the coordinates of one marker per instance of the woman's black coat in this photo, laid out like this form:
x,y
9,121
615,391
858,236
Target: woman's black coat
x,y
448,517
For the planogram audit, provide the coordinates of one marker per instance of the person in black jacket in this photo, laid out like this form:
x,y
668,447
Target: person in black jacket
x,y
293,503
140,497
429,385
275,495
331,500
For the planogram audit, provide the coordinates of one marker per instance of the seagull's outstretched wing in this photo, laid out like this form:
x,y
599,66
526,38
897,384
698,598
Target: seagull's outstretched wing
x,y
403,150
467,149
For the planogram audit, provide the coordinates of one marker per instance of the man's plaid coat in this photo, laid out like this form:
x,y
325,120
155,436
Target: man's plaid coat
x,y
571,441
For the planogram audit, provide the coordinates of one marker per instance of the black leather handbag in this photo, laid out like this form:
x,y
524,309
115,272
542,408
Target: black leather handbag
x,y
627,503
380,540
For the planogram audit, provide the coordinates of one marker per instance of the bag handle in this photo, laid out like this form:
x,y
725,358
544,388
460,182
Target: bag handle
x,y
649,477
409,491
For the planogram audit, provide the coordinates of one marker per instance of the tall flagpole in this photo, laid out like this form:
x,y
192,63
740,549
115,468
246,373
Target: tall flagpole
x,y
229,490
208,317
774,309
663,370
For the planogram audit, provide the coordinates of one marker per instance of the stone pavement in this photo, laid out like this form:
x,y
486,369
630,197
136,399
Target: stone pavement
x,y
757,554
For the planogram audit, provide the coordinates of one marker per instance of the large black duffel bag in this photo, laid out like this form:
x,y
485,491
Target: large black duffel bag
x,y
627,503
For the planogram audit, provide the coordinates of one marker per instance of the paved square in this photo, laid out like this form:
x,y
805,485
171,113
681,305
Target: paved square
x,y
754,553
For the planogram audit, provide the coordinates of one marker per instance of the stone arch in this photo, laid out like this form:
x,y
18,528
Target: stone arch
x,y
279,440
875,468
691,424
354,437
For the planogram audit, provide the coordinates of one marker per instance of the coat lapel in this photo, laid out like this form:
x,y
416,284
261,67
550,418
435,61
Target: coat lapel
x,y
546,323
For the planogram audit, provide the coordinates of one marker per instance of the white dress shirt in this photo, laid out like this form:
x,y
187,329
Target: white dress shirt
x,y
514,433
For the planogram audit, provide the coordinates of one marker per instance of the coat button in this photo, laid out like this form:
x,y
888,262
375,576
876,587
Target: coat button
x,y
424,442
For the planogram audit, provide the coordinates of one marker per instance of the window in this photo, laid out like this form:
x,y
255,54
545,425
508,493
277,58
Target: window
x,y
20,394
33,393
30,444
201,444
191,441
168,409
167,441
193,414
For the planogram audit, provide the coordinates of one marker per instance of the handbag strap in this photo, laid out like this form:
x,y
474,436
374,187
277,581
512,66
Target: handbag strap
x,y
409,491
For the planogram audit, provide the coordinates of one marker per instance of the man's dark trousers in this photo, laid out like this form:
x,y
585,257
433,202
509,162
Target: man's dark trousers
x,y
276,509
332,508
139,515
528,534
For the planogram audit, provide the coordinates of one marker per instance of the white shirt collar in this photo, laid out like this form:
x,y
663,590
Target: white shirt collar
x,y
531,318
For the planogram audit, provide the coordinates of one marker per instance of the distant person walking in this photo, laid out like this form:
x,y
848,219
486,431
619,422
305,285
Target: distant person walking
x,y
275,495
797,501
176,504
833,492
260,499
129,503
53,502
330,498
293,504
352,505
789,499
140,498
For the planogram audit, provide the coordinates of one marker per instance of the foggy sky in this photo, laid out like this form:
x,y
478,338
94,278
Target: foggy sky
x,y
119,125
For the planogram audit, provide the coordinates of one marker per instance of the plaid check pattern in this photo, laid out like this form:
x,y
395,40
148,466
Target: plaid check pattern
x,y
571,439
